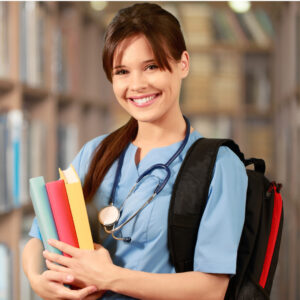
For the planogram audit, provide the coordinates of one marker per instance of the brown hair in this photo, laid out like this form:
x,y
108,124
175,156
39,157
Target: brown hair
x,y
163,32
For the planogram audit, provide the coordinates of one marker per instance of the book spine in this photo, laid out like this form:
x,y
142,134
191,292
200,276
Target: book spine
x,y
62,215
43,212
80,216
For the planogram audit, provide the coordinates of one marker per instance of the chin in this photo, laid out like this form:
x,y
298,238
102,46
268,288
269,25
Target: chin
x,y
147,118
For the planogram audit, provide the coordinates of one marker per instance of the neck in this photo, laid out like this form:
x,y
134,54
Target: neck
x,y
160,133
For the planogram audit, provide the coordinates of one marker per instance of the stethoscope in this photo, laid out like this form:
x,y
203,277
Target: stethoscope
x,y
110,215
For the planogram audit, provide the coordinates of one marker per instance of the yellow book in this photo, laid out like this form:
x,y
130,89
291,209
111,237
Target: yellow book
x,y
78,208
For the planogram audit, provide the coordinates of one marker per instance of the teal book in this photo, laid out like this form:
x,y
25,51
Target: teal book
x,y
42,209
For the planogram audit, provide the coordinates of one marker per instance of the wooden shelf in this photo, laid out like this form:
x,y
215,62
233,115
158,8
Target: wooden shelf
x,y
6,85
35,93
210,112
253,112
66,98
230,47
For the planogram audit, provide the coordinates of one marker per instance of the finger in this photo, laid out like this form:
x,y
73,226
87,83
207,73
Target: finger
x,y
80,294
55,267
60,259
66,248
58,277
95,296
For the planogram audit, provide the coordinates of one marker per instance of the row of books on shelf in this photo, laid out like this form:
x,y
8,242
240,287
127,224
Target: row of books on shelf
x,y
73,47
215,81
67,145
252,26
204,94
32,28
205,24
24,155
66,45
33,18
25,288
6,267
7,263
258,81
4,52
213,127
32,46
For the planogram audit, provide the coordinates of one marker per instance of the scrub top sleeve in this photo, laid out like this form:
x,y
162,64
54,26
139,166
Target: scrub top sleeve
x,y
35,231
223,219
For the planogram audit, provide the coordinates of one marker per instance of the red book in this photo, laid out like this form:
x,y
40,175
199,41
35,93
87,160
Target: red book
x,y
61,211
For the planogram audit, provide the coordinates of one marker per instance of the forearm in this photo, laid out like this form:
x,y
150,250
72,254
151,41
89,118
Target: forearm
x,y
32,258
188,285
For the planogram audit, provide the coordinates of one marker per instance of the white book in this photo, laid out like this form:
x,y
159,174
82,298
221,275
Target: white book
x,y
6,282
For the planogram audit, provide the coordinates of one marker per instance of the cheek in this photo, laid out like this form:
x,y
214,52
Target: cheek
x,y
118,88
160,81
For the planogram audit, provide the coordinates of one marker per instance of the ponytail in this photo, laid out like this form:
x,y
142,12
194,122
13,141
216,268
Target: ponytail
x,y
104,156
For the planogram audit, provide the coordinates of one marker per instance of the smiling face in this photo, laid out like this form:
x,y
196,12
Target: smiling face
x,y
147,92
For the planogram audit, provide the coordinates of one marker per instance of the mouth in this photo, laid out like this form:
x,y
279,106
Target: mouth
x,y
145,100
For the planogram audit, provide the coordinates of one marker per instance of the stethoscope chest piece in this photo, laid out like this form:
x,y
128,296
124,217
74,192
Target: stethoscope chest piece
x,y
108,216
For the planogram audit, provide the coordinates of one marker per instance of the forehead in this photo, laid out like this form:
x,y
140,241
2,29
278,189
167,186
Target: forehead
x,y
133,49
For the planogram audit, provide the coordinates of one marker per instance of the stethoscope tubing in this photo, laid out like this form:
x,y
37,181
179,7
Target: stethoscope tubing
x,y
111,229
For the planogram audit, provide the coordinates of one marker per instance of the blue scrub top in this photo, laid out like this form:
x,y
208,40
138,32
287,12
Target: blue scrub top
x,y
221,225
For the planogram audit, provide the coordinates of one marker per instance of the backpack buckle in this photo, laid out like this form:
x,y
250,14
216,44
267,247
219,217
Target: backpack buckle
x,y
276,186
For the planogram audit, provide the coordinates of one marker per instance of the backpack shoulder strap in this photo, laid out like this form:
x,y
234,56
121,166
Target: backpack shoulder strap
x,y
189,197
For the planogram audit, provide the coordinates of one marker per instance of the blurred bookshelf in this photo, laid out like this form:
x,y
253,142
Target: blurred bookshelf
x,y
228,92
53,98
54,95
287,126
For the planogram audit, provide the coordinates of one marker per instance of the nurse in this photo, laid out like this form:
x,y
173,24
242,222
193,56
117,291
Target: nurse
x,y
145,58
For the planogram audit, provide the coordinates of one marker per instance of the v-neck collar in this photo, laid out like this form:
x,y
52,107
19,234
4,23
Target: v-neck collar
x,y
158,154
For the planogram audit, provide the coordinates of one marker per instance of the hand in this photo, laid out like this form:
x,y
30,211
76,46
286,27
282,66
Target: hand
x,y
50,286
88,267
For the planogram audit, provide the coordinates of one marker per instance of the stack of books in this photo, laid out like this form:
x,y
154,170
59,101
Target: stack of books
x,y
61,211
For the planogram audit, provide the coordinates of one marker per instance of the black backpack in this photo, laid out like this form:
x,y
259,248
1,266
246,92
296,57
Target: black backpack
x,y
259,245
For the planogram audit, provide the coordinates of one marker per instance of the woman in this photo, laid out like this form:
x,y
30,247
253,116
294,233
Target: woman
x,y
146,60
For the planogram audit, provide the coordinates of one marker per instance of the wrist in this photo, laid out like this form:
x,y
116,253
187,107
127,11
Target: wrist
x,y
115,275
34,280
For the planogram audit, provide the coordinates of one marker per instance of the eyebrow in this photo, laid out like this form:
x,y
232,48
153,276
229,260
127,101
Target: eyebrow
x,y
144,62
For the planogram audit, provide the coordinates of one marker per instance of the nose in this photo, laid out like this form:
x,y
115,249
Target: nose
x,y
138,81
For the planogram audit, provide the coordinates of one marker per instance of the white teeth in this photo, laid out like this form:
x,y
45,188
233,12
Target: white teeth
x,y
144,100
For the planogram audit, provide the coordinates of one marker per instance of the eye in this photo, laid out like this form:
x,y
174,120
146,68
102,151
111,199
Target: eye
x,y
152,67
121,72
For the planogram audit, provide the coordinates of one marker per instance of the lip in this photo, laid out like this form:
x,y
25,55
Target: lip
x,y
144,96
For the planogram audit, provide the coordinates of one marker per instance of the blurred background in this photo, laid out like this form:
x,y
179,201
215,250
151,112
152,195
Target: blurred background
x,y
243,84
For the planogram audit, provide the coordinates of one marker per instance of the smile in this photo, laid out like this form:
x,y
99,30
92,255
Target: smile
x,y
144,100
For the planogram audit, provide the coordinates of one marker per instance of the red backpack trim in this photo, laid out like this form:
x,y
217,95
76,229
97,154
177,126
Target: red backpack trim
x,y
276,217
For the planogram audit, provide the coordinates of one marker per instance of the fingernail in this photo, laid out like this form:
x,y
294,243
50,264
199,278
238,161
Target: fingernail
x,y
69,278
94,289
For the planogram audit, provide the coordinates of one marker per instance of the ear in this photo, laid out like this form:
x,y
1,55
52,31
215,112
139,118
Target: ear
x,y
184,64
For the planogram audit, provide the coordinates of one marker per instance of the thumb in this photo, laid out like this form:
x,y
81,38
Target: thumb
x,y
87,291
